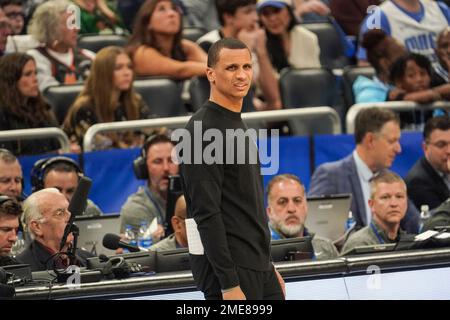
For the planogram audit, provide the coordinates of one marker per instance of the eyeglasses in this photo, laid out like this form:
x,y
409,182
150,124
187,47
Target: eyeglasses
x,y
439,144
61,213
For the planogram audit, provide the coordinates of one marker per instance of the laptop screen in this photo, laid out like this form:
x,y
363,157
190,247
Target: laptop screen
x,y
92,230
327,215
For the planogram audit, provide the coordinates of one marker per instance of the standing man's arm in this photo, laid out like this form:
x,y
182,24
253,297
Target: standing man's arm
x,y
203,187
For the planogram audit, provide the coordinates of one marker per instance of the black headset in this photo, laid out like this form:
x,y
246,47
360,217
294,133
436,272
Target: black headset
x,y
43,166
140,163
4,198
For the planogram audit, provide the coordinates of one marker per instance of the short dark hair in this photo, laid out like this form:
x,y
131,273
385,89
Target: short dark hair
x,y
372,120
59,167
398,68
230,7
228,43
155,139
4,3
10,207
440,122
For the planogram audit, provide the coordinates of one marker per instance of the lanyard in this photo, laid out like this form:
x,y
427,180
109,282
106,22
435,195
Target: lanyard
x,y
155,204
380,239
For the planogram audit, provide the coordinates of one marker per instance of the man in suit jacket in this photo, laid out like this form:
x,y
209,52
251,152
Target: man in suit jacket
x,y
428,180
377,137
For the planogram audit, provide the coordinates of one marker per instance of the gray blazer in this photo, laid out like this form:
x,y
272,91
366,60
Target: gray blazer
x,y
341,177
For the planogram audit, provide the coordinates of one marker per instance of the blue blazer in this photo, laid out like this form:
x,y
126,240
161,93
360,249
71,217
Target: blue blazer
x,y
341,177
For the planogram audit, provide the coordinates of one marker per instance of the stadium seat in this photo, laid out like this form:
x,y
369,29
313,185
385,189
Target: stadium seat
x,y
162,95
96,42
193,33
332,52
307,87
349,76
61,98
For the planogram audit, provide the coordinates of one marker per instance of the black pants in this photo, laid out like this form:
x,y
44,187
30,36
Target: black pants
x,y
256,285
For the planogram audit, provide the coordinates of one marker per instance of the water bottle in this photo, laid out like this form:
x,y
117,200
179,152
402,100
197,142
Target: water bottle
x,y
19,246
130,235
144,236
350,222
424,216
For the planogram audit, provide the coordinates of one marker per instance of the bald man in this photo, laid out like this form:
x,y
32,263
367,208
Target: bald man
x,y
178,239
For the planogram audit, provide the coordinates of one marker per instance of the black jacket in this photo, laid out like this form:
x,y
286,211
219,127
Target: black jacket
x,y
39,258
425,186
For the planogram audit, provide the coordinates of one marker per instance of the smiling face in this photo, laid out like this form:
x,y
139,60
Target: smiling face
x,y
287,209
275,20
388,202
231,77
415,78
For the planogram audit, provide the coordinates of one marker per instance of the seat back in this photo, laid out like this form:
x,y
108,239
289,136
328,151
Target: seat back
x,y
97,42
348,77
193,33
332,51
307,87
61,98
162,95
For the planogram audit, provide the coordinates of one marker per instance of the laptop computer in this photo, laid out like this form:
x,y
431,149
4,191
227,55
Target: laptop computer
x,y
327,215
92,230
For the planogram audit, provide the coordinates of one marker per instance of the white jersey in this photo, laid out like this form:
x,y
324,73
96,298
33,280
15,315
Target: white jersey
x,y
419,37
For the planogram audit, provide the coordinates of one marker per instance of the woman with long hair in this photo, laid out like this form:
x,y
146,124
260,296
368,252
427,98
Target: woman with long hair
x,y
22,105
289,44
157,47
108,96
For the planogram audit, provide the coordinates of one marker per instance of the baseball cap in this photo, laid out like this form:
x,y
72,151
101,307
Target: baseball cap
x,y
272,3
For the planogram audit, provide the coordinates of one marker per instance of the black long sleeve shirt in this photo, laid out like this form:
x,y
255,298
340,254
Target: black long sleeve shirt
x,y
226,200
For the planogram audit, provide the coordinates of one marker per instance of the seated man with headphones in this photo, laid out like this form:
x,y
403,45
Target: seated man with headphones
x,y
45,216
10,211
62,173
11,177
154,165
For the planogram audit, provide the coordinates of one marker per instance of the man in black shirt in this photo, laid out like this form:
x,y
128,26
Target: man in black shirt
x,y
224,192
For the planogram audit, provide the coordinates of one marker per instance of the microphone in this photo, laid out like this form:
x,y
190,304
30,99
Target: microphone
x,y
112,241
76,206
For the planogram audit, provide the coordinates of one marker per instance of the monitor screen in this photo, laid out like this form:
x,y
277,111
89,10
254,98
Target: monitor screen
x,y
291,249
172,260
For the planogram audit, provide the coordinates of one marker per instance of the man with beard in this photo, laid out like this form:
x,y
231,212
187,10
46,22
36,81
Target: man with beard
x,y
287,211
149,202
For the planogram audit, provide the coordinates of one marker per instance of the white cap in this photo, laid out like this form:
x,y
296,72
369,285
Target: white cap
x,y
272,3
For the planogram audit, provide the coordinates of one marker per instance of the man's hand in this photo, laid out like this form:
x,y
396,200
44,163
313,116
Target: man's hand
x,y
312,6
234,294
281,281
158,234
